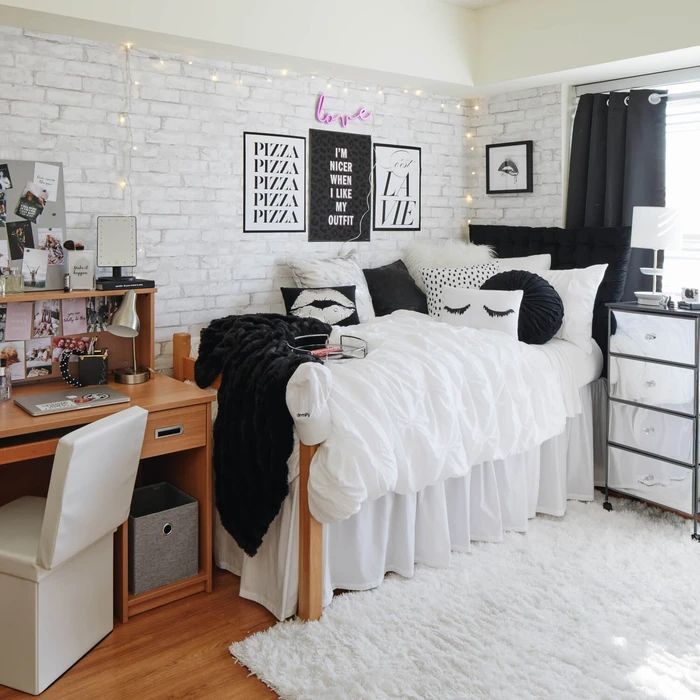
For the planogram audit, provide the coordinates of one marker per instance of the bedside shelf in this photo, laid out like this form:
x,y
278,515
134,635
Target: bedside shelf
x,y
58,294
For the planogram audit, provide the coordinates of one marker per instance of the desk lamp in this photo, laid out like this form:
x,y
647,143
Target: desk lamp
x,y
125,324
656,228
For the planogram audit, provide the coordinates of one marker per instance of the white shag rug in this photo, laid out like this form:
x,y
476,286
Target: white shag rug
x,y
592,605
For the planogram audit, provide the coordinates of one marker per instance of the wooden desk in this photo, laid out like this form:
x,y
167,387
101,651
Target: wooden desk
x,y
27,446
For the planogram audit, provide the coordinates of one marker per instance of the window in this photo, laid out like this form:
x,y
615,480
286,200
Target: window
x,y
682,269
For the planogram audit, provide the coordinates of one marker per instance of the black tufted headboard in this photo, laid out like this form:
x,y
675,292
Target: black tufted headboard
x,y
569,248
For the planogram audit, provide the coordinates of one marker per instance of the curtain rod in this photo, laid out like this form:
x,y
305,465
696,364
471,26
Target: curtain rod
x,y
669,77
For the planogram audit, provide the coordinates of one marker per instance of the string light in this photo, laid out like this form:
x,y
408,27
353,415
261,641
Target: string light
x,y
329,86
345,89
469,134
469,199
284,71
122,119
419,93
122,184
189,63
136,82
128,45
162,62
268,79
459,106
215,77
476,108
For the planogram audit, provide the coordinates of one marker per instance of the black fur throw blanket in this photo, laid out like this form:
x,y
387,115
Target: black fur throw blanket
x,y
253,431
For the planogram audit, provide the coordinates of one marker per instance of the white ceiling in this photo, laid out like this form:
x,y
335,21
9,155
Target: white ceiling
x,y
473,4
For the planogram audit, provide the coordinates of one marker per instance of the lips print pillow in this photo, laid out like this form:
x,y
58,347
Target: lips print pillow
x,y
333,305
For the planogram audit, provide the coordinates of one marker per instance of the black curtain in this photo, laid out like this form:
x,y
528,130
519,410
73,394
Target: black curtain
x,y
618,161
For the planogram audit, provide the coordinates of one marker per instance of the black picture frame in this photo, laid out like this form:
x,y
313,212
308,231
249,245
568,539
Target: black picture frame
x,y
278,228
339,211
514,154
377,199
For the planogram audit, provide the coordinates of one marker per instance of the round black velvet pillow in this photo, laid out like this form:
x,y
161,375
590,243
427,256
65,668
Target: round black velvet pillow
x,y
541,310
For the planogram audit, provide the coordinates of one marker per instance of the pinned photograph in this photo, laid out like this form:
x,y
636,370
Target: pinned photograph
x,y
97,314
13,354
3,318
74,317
38,358
60,344
46,178
18,322
4,254
47,318
5,179
35,264
31,204
3,207
19,236
51,240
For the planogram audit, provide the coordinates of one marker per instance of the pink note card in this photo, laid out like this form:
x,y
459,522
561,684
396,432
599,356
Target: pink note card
x,y
18,324
74,316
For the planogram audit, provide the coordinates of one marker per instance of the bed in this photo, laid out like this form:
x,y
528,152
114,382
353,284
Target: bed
x,y
371,498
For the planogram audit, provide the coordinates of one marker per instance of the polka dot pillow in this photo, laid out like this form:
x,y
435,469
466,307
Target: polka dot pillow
x,y
436,278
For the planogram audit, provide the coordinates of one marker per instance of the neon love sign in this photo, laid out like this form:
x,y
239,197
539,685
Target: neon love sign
x,y
343,119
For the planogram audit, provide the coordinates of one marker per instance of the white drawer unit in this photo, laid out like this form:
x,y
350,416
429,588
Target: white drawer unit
x,y
653,447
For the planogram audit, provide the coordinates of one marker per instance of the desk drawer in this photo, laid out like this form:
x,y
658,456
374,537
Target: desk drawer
x,y
654,336
174,430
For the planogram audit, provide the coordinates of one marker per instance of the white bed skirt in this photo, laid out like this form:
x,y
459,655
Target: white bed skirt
x,y
395,532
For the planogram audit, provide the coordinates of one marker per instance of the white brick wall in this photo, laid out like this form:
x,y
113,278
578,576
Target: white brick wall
x,y
61,97
533,114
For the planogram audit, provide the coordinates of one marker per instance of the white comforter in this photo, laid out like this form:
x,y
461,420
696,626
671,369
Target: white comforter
x,y
429,401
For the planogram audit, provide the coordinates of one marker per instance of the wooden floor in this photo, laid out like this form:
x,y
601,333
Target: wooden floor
x,y
177,651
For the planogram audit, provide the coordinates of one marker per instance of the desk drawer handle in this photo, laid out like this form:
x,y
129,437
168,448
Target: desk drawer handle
x,y
171,431
650,336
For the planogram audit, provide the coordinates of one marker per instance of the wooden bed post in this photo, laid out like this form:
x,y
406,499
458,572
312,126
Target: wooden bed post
x,y
310,604
182,345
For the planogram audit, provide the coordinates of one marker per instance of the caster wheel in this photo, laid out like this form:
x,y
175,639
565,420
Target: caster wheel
x,y
607,505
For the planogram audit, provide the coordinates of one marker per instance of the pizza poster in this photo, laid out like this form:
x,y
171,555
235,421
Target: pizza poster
x,y
340,166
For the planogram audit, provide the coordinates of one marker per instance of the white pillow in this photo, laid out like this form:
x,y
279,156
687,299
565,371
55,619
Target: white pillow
x,y
577,289
334,272
436,278
492,309
529,263
447,254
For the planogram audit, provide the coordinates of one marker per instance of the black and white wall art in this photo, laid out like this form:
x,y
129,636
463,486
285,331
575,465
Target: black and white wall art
x,y
274,183
509,167
339,184
397,188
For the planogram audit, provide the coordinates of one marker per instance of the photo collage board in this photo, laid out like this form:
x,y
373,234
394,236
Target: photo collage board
x,y
33,335
33,222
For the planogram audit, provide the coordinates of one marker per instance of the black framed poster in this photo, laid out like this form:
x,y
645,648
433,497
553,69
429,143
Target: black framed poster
x,y
274,183
397,186
339,174
509,167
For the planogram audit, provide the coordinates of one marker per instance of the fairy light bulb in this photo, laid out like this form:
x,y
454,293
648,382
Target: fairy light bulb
x,y
122,119
419,93
284,72
122,184
215,77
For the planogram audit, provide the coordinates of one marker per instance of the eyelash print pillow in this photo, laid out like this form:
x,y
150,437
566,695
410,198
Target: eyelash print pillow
x,y
436,278
333,305
494,310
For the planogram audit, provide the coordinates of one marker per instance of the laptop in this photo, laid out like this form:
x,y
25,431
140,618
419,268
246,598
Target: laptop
x,y
70,399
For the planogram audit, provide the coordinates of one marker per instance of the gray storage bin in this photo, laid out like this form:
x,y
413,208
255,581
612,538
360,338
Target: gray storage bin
x,y
163,537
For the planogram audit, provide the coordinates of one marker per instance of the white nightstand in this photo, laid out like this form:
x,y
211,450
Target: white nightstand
x,y
653,371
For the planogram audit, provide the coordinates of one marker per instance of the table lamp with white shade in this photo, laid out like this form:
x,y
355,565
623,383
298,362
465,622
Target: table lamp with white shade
x,y
655,228
125,324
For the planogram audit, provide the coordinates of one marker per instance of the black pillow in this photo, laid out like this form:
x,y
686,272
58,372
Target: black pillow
x,y
333,305
392,287
541,310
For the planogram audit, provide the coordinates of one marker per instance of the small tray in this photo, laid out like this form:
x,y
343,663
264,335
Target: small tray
x,y
319,345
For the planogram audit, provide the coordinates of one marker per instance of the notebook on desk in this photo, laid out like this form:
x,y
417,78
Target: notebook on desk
x,y
70,399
